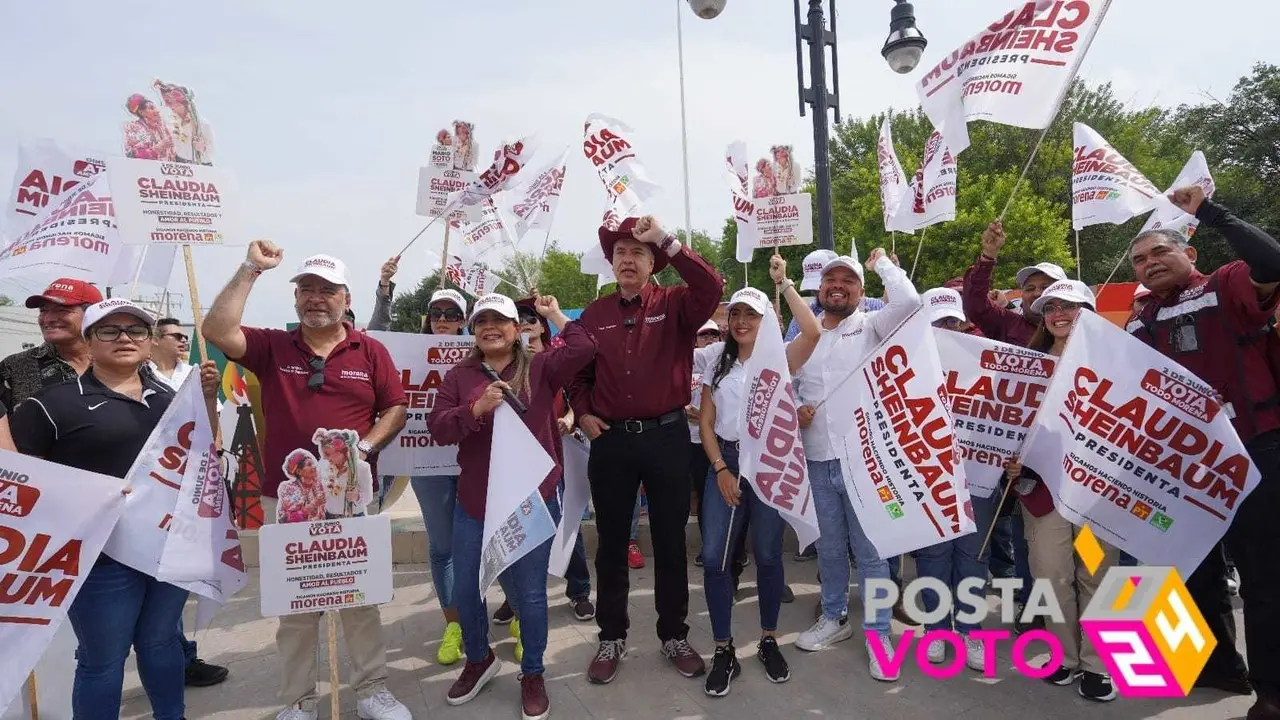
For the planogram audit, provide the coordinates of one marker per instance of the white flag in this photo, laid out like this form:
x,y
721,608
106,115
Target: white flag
x,y
771,453
1014,72
45,171
508,161
482,237
1105,187
75,235
895,192
573,503
1170,216
516,519
607,148
143,264
934,187
534,202
473,276
744,207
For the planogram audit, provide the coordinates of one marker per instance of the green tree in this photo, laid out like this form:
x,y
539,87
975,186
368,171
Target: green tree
x,y
5,301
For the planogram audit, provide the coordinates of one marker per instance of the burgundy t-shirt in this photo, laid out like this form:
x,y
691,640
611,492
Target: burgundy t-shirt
x,y
360,382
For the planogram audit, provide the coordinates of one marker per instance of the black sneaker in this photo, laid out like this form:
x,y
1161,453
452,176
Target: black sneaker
x,y
775,666
788,596
202,674
697,559
504,615
809,553
1097,687
724,668
1063,676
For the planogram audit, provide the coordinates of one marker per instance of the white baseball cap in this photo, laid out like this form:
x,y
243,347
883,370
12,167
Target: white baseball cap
x,y
450,296
709,325
95,313
1053,271
814,262
501,304
943,303
325,267
752,298
841,261
1069,290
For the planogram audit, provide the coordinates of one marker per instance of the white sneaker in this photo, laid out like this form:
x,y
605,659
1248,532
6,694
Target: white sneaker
x,y
937,651
1233,582
975,654
824,634
382,706
877,672
293,712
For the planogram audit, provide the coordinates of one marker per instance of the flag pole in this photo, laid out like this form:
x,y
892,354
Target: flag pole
x,y
919,247
444,256
33,698
196,311
1079,260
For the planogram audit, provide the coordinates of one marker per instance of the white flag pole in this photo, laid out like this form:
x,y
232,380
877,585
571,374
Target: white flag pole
x,y
1079,260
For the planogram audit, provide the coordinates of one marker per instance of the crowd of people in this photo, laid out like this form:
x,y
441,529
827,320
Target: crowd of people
x,y
655,386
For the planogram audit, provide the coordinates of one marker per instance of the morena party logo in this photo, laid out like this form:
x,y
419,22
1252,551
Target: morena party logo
x,y
176,170
17,499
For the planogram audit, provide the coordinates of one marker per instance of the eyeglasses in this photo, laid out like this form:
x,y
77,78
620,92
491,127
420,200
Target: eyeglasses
x,y
316,381
449,315
180,337
949,323
112,333
1051,308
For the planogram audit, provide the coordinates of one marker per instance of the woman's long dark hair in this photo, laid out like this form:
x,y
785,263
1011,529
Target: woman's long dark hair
x,y
728,357
1042,339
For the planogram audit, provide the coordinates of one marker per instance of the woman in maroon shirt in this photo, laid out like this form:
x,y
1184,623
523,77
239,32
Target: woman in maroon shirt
x,y
463,414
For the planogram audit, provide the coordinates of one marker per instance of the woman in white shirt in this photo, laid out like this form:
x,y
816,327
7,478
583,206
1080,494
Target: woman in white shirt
x,y
726,503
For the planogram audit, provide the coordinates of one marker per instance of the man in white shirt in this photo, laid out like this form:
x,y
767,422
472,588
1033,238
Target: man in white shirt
x,y
848,334
169,353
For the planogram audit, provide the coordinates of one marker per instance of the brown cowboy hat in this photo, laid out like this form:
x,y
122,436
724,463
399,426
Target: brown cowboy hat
x,y
609,238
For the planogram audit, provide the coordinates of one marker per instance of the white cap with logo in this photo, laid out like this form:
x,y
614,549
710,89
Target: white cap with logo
x,y
709,326
843,261
814,262
752,298
325,267
1053,271
943,303
1069,290
449,296
501,304
95,313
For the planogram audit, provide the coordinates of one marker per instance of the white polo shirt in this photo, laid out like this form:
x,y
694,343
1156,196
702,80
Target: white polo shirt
x,y
728,395
839,352
180,373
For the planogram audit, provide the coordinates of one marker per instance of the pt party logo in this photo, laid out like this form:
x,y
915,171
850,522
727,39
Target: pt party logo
x,y
1142,621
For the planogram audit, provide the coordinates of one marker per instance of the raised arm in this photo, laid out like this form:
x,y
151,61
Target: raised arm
x,y
799,349
898,291
1251,244
563,363
381,318
222,324
975,296
699,300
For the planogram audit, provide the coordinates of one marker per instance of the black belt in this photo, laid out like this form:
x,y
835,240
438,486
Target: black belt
x,y
643,425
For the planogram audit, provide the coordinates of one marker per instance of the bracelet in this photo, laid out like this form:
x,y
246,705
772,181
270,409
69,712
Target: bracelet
x,y
785,284
719,465
251,267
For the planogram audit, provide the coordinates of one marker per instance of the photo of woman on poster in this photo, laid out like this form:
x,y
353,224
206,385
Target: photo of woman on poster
x,y
763,184
301,497
464,148
192,138
146,137
786,179
348,481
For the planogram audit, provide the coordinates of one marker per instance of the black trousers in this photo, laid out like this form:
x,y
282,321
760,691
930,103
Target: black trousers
x,y
1254,544
619,463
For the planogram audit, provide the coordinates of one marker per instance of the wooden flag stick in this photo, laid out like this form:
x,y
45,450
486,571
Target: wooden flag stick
x,y
444,256
32,698
196,311
1079,260
919,247
331,618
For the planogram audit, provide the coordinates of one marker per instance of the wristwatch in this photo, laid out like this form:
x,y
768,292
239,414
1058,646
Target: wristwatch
x,y
367,448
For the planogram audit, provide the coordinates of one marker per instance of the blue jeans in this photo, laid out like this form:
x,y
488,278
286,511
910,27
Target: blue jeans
x,y
1009,552
1127,560
436,497
118,608
578,576
525,585
721,527
841,531
188,646
955,560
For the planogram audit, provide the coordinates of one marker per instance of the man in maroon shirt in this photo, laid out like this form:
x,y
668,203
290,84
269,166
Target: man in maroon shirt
x,y
996,322
323,374
630,402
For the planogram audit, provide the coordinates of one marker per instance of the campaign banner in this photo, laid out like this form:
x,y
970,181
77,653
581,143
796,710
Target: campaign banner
x,y
534,202
1014,72
1139,448
995,390
901,461
45,171
784,220
323,565
895,192
744,207
508,162
422,361
436,183
573,503
771,452
516,519
488,234
173,203
934,186
1105,187
606,147
442,155
1170,216
75,236
54,520
202,545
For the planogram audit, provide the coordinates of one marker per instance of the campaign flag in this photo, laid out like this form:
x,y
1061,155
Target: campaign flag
x,y
1014,72
508,161
421,362
573,503
54,520
45,171
489,233
626,183
934,187
516,519
1105,187
143,264
895,192
473,276
995,390
1170,216
744,208
1139,448
771,452
534,202
901,460
202,545
75,235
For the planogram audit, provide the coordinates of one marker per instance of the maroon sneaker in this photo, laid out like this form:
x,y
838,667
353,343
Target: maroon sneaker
x,y
534,704
687,662
604,666
473,679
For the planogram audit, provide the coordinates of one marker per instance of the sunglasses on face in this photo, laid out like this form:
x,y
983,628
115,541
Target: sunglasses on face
x,y
711,334
448,315
949,323
1050,308
316,381
112,333
527,317
180,337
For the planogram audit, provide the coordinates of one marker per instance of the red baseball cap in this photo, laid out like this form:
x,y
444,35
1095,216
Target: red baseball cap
x,y
609,238
67,291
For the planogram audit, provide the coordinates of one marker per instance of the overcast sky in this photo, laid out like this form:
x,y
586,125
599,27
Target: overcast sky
x,y
325,111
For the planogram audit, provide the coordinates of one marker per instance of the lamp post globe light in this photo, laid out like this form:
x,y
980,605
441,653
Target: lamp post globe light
x,y
905,44
706,9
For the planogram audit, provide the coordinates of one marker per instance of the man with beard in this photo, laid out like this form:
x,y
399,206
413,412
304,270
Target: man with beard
x,y
322,374
1221,327
848,334
997,322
